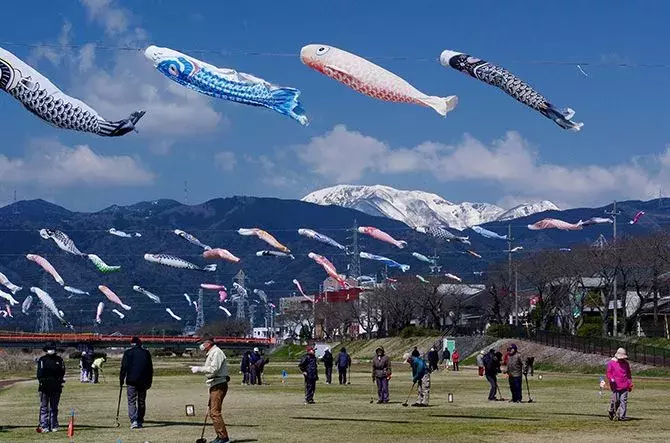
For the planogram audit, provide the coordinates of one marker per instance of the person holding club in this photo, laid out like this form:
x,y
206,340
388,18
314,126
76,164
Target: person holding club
x,y
515,371
381,373
51,376
216,372
420,377
621,383
137,371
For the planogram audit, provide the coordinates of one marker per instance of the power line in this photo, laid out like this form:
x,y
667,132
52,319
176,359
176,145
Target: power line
x,y
247,53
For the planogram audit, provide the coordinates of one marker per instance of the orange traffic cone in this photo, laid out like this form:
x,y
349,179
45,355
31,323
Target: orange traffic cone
x,y
70,426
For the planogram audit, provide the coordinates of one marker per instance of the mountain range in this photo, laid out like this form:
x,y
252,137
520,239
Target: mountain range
x,y
215,223
419,208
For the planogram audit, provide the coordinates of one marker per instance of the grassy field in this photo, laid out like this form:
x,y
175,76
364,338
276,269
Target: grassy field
x,y
566,408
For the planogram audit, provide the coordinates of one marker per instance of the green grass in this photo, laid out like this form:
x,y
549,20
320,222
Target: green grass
x,y
566,408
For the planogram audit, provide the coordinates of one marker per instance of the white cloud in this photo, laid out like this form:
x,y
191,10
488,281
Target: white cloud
x,y
225,160
272,174
50,163
129,83
510,163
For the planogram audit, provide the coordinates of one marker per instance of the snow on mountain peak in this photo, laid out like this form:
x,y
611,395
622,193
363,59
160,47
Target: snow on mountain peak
x,y
418,208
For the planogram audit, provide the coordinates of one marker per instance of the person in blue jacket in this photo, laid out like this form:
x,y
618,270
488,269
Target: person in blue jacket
x,y
420,376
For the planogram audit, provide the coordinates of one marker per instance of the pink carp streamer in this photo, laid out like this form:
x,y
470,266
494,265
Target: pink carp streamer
x,y
223,295
111,296
44,263
553,223
328,267
220,254
636,217
370,79
265,236
382,236
212,286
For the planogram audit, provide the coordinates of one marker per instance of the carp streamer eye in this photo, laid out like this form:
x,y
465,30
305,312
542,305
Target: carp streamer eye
x,y
322,50
173,70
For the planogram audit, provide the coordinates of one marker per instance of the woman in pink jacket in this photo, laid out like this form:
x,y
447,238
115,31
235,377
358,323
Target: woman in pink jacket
x,y
621,383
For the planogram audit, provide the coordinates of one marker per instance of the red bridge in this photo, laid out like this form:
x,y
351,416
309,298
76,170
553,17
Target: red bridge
x,y
34,340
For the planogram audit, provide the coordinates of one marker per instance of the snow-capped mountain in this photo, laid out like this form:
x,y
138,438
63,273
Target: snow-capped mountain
x,y
418,208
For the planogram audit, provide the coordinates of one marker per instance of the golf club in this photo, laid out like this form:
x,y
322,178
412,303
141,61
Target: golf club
x,y
499,393
408,394
530,399
118,407
372,392
202,438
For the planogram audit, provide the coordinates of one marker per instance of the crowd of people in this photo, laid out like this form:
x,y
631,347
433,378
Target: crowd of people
x,y
136,373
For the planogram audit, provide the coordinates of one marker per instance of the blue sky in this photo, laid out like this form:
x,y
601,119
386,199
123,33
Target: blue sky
x,y
490,148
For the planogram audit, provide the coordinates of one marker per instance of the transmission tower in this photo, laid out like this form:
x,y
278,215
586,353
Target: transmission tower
x,y
200,316
16,208
252,315
355,264
240,278
44,320
435,268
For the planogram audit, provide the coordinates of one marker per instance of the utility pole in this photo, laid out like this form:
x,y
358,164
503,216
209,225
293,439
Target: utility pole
x,y
614,213
200,314
355,264
509,274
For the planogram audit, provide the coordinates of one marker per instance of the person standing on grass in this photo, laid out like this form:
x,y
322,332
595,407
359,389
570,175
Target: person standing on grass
x,y
433,358
491,370
253,358
310,370
97,367
480,363
343,364
260,367
216,373
51,376
86,365
381,373
420,377
245,367
327,360
621,383
455,358
137,372
446,357
515,370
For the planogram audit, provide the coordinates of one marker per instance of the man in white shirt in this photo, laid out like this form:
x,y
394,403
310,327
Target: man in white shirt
x,y
216,371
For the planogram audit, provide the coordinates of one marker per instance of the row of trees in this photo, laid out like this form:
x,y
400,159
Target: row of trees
x,y
568,282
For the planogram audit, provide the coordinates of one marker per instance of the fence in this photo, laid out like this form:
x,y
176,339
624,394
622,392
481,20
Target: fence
x,y
648,355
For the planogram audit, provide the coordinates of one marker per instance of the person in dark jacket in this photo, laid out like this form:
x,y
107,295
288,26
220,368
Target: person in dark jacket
x,y
491,371
253,358
433,358
260,367
446,356
327,360
309,368
381,373
51,376
343,364
421,377
137,372
86,365
245,367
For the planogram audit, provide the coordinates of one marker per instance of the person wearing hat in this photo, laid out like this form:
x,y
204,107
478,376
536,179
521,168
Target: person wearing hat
x,y
381,373
515,370
621,383
433,359
491,369
253,359
327,360
420,377
310,370
86,366
51,376
97,367
216,371
480,363
137,372
343,363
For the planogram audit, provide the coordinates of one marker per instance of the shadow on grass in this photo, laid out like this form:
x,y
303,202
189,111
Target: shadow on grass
x,y
165,423
595,415
365,420
482,417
